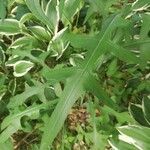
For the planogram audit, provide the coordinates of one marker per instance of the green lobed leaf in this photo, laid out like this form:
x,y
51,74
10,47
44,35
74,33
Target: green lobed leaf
x,y
73,90
122,53
57,75
19,99
94,87
29,111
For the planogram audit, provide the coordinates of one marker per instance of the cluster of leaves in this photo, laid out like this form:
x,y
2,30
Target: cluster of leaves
x,y
87,57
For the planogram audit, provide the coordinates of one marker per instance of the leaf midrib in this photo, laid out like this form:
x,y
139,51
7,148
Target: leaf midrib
x,y
75,85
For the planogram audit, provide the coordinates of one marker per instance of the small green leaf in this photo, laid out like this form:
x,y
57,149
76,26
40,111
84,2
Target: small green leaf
x,y
58,89
22,67
36,9
19,99
2,55
40,33
112,68
58,44
52,12
12,86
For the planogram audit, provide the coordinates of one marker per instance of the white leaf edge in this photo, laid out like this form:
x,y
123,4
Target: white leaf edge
x,y
22,74
128,139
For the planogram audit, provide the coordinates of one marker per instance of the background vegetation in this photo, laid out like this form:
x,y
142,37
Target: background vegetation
x,y
74,74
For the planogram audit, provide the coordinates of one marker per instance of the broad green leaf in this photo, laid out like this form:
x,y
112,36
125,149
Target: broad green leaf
x,y
9,27
137,113
8,145
146,110
36,9
139,4
20,1
137,43
121,145
52,12
2,78
21,10
25,41
99,6
3,11
68,13
26,17
104,37
89,36
70,94
12,86
5,135
22,67
12,60
144,35
136,135
40,33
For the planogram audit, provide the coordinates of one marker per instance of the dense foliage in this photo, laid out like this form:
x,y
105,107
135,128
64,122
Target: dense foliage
x,y
74,74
